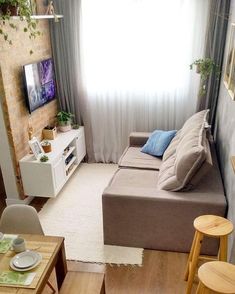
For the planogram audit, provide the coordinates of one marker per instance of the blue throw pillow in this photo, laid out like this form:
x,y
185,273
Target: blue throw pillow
x,y
158,142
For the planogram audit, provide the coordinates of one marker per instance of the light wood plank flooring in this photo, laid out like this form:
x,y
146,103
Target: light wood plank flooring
x,y
162,273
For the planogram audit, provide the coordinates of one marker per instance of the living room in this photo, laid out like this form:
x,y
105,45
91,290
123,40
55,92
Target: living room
x,y
105,131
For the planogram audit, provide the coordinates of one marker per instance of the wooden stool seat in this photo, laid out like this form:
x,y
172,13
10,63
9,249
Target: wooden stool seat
x,y
213,225
217,276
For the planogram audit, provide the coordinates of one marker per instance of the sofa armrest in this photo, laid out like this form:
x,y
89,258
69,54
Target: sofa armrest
x,y
138,138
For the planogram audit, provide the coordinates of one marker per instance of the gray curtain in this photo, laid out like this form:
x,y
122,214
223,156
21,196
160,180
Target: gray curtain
x,y
215,43
66,55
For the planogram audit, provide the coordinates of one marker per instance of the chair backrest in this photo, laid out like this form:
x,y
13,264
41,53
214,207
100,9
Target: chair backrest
x,y
20,219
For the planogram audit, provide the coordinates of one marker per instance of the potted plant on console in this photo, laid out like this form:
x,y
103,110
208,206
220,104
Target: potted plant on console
x,y
64,121
46,146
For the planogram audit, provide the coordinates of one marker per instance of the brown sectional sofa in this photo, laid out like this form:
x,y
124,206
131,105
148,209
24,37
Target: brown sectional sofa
x,y
137,213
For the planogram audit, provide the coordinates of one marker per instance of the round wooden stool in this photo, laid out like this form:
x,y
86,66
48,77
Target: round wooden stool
x,y
216,277
211,226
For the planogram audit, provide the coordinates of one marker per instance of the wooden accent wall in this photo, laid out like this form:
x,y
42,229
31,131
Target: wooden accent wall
x,y
16,115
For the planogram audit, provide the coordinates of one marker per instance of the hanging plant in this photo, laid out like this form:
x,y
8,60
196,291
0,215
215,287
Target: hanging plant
x,y
205,67
21,8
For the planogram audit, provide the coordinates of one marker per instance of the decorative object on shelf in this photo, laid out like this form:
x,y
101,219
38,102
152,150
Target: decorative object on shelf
x,y
36,147
49,133
22,8
229,74
46,146
44,158
205,67
64,121
33,5
75,126
30,132
8,7
69,158
51,10
66,150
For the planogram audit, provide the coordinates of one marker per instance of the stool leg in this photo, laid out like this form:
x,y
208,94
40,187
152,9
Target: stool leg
x,y
192,268
200,288
223,248
190,257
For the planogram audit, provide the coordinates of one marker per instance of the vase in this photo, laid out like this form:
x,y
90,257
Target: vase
x,y
46,148
65,126
6,8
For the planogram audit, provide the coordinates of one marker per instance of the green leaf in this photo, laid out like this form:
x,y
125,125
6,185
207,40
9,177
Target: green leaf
x,y
12,26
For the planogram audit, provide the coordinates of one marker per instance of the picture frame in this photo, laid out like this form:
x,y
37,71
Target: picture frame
x,y
36,147
229,73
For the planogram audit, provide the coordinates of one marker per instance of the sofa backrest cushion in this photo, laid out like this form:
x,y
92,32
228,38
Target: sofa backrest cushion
x,y
172,146
186,156
203,170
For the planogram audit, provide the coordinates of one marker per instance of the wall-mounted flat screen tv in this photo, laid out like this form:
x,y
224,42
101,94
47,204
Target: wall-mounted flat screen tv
x,y
40,83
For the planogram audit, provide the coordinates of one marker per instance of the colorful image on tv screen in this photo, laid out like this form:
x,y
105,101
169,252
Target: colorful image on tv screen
x,y
40,83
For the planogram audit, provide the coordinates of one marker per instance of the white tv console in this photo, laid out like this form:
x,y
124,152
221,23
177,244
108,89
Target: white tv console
x,y
46,179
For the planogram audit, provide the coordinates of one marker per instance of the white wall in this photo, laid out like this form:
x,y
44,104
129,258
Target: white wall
x,y
7,167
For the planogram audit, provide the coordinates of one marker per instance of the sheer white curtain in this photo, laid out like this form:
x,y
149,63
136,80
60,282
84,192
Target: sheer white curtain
x,y
135,57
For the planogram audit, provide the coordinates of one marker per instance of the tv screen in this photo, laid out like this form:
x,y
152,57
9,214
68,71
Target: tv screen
x,y
39,83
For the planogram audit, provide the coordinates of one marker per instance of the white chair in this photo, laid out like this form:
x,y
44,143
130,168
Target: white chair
x,y
21,219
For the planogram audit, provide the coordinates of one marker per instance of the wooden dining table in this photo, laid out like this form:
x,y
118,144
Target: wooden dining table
x,y
53,256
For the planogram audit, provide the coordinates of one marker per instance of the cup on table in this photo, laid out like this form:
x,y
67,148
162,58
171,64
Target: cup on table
x,y
18,245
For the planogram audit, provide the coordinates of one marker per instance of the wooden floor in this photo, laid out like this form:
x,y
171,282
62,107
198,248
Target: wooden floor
x,y
161,273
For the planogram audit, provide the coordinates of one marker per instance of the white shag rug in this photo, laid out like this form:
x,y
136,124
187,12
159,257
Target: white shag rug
x,y
76,214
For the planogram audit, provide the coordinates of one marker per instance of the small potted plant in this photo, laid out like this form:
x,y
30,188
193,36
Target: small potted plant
x,y
9,7
19,8
46,146
44,158
64,121
205,67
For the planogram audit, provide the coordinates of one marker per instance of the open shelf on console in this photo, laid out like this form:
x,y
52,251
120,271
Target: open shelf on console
x,y
70,162
71,149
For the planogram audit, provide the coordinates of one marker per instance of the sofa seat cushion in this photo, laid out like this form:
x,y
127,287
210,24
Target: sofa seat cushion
x,y
137,179
134,158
